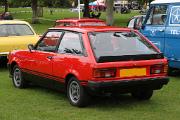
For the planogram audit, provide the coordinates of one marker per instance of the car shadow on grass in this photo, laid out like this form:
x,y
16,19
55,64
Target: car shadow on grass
x,y
122,100
3,63
175,73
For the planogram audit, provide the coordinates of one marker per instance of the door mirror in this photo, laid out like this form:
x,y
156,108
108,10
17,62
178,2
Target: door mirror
x,y
31,47
138,23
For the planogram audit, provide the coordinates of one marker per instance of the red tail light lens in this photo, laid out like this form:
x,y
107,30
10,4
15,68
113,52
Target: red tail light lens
x,y
158,69
104,73
166,68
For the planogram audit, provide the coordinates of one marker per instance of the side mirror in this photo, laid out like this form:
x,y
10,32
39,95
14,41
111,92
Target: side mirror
x,y
138,23
30,47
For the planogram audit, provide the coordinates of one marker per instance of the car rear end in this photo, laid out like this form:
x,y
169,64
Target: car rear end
x,y
125,62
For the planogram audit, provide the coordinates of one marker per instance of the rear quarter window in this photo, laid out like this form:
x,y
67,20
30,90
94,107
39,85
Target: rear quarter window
x,y
175,16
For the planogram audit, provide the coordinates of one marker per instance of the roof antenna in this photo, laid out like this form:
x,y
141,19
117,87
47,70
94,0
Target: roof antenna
x,y
79,9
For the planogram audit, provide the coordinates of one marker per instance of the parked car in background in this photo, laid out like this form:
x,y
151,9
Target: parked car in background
x,y
86,61
15,34
80,22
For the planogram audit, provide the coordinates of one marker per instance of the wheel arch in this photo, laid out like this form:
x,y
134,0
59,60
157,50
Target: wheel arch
x,y
67,78
12,66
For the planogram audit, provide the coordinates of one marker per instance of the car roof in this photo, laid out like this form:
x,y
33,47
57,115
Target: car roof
x,y
80,20
165,1
13,22
91,28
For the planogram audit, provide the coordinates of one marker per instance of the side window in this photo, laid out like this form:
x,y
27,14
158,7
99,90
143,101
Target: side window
x,y
71,44
19,30
49,42
157,15
3,30
175,15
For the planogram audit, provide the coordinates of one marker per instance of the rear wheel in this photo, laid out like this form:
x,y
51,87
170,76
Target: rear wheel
x,y
142,94
76,93
17,78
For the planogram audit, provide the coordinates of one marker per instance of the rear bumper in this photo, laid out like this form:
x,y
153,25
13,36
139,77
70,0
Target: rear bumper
x,y
4,53
126,86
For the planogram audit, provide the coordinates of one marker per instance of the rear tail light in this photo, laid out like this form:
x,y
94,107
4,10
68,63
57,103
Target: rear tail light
x,y
104,73
158,69
166,68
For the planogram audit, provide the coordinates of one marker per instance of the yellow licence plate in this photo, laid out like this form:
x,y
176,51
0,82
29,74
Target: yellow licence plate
x,y
133,72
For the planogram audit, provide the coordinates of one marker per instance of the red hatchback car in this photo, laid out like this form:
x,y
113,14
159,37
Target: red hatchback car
x,y
86,61
80,22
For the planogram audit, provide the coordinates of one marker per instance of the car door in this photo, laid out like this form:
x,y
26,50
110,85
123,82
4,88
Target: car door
x,y
40,60
70,57
154,25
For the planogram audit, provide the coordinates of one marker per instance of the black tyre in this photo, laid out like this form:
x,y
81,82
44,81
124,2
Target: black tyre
x,y
76,93
142,94
17,78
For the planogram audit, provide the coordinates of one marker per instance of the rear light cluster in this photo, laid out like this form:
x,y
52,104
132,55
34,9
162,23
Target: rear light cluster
x,y
104,73
158,69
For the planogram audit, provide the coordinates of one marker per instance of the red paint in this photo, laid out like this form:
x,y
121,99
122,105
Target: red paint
x,y
80,22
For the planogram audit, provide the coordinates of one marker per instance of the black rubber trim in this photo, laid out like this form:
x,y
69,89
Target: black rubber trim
x,y
150,82
129,57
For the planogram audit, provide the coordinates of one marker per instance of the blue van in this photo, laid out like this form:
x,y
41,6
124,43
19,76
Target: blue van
x,y
162,27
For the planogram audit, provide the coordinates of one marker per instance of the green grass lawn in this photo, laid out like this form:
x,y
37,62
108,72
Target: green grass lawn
x,y
36,103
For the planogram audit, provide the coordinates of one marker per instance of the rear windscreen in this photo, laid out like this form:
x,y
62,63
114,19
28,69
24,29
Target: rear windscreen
x,y
119,44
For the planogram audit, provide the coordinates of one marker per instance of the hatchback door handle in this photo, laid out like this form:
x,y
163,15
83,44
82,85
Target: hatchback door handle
x,y
50,57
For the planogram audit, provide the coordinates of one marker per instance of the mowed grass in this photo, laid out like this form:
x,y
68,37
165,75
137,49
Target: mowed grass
x,y
37,103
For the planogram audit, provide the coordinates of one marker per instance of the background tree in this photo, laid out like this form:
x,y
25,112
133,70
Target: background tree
x,y
109,12
34,7
145,2
86,9
5,4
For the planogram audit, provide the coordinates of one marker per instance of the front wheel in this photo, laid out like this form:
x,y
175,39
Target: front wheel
x,y
142,94
17,78
76,93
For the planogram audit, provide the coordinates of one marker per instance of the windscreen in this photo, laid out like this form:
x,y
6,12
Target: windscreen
x,y
119,44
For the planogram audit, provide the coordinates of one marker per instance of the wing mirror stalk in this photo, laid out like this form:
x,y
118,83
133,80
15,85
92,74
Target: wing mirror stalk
x,y
30,47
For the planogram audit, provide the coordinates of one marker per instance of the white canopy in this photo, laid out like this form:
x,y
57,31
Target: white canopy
x,y
165,1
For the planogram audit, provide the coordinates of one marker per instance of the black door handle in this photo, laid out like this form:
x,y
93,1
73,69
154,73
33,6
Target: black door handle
x,y
50,57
